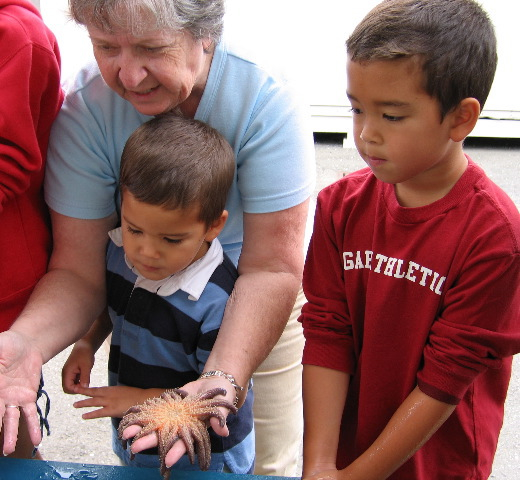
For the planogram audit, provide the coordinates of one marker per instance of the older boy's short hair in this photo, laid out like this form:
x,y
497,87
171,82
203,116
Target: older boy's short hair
x,y
454,40
176,162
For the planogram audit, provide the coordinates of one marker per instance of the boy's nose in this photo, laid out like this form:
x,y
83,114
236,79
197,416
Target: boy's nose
x,y
369,134
146,249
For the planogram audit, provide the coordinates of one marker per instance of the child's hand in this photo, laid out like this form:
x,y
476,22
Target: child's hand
x,y
326,475
114,401
320,470
77,368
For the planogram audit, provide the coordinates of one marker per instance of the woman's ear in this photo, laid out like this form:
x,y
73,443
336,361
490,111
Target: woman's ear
x,y
216,227
464,118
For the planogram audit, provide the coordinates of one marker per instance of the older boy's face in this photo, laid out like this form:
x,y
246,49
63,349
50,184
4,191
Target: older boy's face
x,y
397,125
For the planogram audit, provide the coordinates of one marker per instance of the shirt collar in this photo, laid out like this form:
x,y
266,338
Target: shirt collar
x,y
192,280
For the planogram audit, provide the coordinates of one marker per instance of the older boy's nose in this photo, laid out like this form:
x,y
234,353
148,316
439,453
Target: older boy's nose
x,y
369,134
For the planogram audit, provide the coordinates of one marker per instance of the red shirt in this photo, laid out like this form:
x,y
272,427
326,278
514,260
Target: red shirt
x,y
30,99
428,296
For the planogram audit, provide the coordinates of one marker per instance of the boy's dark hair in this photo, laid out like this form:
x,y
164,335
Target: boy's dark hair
x,y
453,39
176,162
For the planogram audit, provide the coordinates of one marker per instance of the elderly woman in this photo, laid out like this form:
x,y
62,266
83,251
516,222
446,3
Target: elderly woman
x,y
153,57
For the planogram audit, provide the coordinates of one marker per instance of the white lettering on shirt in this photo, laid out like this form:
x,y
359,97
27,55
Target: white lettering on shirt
x,y
394,267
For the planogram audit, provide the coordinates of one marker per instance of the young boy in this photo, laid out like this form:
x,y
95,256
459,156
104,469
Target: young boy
x,y
168,282
412,272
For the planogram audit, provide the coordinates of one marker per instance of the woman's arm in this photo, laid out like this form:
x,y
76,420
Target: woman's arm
x,y
72,294
270,271
61,309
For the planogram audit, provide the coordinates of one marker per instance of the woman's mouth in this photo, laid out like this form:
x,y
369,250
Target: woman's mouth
x,y
142,93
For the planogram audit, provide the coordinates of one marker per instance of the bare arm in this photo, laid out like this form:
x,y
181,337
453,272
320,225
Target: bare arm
x,y
324,394
72,294
270,269
413,423
61,309
78,366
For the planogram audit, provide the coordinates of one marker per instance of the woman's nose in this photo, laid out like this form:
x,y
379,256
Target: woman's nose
x,y
132,72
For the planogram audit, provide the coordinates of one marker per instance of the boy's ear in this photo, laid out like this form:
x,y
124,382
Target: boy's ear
x,y
464,118
216,227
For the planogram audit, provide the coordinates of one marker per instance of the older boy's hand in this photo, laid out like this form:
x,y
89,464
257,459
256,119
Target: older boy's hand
x,y
20,372
326,475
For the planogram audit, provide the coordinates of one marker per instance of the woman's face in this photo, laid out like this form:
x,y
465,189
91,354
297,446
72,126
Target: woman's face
x,y
156,72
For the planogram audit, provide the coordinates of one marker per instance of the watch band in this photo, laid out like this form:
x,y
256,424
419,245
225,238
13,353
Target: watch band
x,y
227,376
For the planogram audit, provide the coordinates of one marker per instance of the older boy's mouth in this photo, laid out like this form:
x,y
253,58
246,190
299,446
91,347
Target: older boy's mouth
x,y
374,161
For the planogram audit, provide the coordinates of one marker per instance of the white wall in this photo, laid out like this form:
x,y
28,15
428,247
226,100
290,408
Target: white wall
x,y
307,38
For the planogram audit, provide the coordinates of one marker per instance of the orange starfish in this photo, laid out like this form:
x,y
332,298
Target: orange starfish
x,y
176,415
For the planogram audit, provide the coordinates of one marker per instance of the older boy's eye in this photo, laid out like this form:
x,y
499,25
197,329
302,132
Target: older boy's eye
x,y
392,118
355,111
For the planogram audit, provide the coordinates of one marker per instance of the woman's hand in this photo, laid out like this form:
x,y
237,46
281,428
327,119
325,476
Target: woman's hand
x,y
179,449
20,372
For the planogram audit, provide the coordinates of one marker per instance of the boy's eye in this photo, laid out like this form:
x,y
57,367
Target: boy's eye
x,y
355,111
173,240
392,118
133,231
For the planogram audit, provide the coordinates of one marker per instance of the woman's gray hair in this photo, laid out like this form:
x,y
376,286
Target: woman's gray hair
x,y
202,18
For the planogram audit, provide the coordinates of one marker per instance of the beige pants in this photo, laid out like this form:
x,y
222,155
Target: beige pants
x,y
278,410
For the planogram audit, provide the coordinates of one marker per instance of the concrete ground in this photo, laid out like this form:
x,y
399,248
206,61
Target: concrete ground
x,y
75,440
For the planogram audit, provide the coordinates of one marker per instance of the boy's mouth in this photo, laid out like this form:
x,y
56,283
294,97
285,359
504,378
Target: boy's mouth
x,y
374,161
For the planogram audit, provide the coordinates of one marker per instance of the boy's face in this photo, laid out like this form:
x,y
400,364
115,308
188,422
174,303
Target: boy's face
x,y
160,242
397,125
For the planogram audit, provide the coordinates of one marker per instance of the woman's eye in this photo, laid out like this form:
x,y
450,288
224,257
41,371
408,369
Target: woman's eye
x,y
104,47
152,49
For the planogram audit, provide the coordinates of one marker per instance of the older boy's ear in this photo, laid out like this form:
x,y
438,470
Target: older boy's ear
x,y
216,227
464,118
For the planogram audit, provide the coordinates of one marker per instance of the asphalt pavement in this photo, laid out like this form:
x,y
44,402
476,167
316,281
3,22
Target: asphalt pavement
x,y
76,440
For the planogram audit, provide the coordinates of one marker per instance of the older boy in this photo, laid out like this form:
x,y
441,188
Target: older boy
x,y
168,283
412,272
